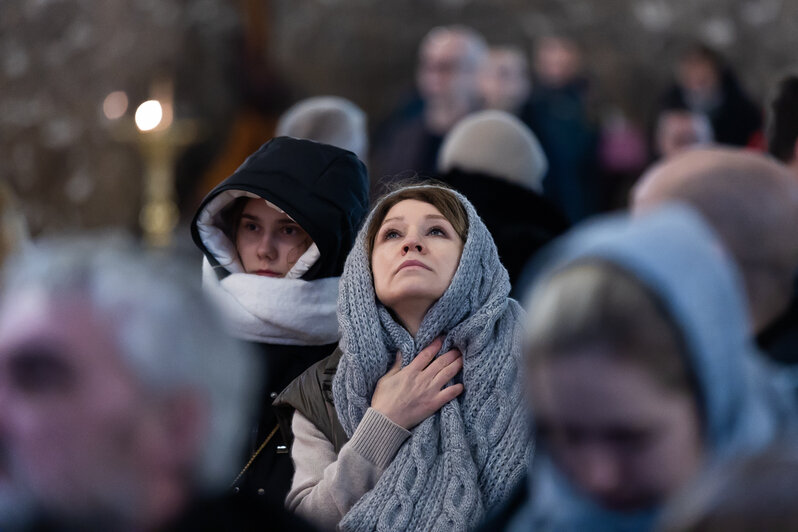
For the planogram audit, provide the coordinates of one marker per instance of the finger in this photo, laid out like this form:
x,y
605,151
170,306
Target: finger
x,y
449,393
442,361
397,365
447,373
426,355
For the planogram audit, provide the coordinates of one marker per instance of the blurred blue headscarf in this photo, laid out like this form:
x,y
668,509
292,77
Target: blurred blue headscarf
x,y
745,405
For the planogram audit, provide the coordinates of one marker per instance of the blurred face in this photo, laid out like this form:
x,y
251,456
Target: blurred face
x,y
504,81
72,422
557,62
268,241
675,132
415,255
446,73
698,76
616,433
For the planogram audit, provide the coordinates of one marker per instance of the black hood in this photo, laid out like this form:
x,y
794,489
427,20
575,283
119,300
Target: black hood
x,y
323,188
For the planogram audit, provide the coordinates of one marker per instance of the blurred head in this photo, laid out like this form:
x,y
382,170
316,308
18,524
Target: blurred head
x,y
782,130
268,241
115,404
613,402
415,239
449,61
680,129
756,493
504,79
752,203
497,144
698,73
327,119
558,61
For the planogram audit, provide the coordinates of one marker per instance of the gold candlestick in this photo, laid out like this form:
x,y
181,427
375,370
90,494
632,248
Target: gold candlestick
x,y
160,139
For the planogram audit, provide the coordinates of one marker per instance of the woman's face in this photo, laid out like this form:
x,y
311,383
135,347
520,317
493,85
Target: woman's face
x,y
616,432
269,242
415,254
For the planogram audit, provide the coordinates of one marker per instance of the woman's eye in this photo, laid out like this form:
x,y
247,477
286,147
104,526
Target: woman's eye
x,y
249,226
437,231
289,230
391,234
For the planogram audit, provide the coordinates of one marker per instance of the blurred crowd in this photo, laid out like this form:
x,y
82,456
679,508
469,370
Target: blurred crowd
x,y
438,327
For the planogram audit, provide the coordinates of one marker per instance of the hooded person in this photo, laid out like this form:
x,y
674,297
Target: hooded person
x,y
497,162
274,236
387,435
641,374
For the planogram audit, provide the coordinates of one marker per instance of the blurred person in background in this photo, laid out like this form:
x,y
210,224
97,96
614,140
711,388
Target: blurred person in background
x,y
504,81
751,201
497,162
329,120
447,80
782,127
640,374
274,236
123,405
558,114
706,85
416,422
679,129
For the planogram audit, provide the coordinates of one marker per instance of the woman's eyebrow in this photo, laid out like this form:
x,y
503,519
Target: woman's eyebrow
x,y
249,216
398,218
436,216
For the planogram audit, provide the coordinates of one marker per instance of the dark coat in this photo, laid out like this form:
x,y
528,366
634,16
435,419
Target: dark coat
x,y
520,220
311,395
202,514
325,190
270,474
736,118
404,147
560,119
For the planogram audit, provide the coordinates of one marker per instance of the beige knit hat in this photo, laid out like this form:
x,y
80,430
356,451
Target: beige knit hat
x,y
495,143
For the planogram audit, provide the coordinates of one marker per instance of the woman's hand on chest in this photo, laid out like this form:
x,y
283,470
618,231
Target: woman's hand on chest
x,y
407,396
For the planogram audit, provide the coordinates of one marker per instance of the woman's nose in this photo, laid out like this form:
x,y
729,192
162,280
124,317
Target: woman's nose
x,y
412,242
266,248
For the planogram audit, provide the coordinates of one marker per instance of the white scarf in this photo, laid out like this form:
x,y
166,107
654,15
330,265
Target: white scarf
x,y
275,310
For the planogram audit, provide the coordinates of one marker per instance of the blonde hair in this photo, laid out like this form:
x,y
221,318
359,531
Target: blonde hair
x,y
596,304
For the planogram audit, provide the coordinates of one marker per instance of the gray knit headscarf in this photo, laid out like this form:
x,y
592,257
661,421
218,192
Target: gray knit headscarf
x,y
465,458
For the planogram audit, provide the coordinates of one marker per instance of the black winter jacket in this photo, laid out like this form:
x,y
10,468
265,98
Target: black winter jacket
x,y
325,190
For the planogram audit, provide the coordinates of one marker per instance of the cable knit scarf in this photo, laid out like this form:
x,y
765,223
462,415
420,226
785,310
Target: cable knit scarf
x,y
464,459
275,311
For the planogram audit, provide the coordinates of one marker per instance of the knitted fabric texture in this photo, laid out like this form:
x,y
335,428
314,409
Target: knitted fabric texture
x,y
465,458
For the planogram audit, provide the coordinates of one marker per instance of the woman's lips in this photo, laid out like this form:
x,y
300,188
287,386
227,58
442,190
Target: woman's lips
x,y
268,273
412,263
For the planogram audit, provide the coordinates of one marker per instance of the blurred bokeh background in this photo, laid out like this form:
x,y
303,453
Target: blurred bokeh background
x,y
226,69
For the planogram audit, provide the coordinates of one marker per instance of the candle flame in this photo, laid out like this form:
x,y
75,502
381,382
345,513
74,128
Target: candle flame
x,y
149,115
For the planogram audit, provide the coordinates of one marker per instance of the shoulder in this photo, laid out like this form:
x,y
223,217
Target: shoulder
x,y
310,384
310,394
